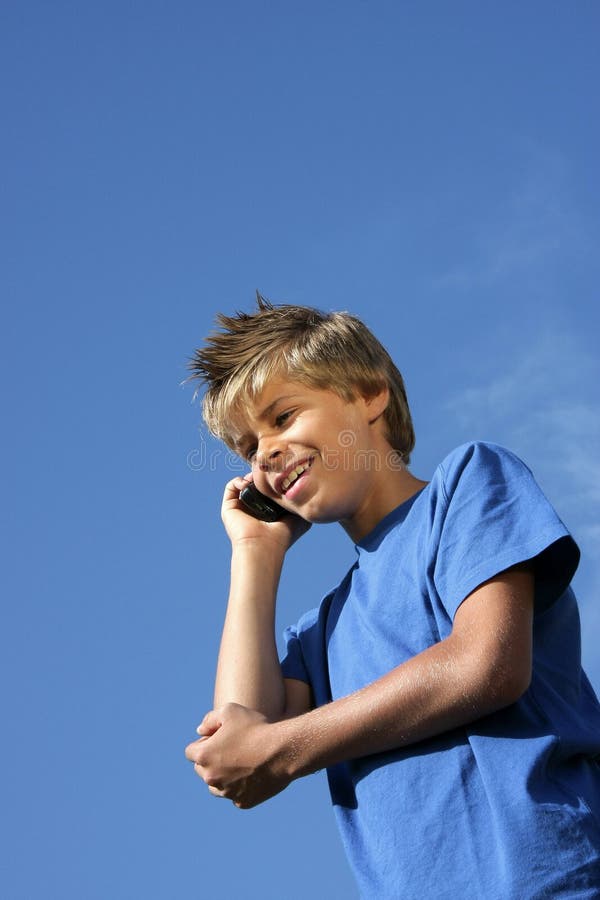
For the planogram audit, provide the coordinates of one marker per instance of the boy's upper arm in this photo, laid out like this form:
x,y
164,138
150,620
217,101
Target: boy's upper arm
x,y
494,624
298,697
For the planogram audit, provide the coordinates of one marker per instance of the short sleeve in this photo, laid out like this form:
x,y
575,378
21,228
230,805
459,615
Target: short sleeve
x,y
493,515
292,662
305,655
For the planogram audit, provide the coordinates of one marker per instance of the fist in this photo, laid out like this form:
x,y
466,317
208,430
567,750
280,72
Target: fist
x,y
241,755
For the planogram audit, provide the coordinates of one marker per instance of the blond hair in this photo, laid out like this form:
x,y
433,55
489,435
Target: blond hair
x,y
332,351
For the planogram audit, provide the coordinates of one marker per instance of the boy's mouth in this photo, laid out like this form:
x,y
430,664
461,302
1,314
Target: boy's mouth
x,y
294,474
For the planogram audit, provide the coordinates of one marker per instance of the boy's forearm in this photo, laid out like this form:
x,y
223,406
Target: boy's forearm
x,y
248,670
246,758
484,665
430,694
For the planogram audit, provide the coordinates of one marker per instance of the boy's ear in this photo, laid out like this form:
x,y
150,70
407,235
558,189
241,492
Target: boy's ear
x,y
377,403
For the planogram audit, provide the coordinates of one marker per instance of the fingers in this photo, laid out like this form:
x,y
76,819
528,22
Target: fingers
x,y
212,789
233,487
197,754
193,752
196,751
210,758
203,773
211,722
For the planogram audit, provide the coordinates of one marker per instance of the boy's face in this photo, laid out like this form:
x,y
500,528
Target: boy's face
x,y
313,452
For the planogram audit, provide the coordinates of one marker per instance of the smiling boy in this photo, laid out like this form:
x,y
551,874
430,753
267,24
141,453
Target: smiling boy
x,y
440,682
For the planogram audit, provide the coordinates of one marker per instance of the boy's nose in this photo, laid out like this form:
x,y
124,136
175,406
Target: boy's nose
x,y
269,459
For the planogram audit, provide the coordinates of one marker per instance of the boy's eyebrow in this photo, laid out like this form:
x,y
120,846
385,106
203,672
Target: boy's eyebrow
x,y
269,409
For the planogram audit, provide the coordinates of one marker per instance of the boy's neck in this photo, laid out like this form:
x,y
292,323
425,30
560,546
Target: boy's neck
x,y
384,495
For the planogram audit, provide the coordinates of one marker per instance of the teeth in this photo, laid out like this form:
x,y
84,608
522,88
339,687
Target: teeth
x,y
294,474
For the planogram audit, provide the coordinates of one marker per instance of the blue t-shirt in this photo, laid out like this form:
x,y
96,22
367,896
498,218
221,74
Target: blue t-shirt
x,y
507,808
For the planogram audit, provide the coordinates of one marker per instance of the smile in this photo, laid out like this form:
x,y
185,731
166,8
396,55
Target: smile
x,y
294,474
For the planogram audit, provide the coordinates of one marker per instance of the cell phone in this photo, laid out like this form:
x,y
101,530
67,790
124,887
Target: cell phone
x,y
259,506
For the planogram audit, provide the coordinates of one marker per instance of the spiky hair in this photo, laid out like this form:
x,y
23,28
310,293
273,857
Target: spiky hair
x,y
327,350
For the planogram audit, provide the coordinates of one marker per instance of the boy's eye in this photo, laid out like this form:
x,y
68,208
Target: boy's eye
x,y
250,454
282,417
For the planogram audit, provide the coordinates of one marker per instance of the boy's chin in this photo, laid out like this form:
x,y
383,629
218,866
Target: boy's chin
x,y
320,517
318,511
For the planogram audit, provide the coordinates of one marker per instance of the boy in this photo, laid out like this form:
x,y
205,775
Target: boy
x,y
440,683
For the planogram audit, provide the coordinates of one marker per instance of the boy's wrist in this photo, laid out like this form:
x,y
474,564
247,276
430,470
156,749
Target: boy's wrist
x,y
257,561
255,551
293,745
255,573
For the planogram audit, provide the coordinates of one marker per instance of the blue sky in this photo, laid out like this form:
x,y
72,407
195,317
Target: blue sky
x,y
431,167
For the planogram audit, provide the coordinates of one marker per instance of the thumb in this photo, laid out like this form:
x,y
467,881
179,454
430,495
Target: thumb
x,y
210,723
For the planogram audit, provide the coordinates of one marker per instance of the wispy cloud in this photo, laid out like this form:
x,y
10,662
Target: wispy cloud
x,y
530,259
543,401
543,405
537,224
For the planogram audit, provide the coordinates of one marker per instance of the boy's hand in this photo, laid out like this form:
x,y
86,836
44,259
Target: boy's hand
x,y
240,756
241,525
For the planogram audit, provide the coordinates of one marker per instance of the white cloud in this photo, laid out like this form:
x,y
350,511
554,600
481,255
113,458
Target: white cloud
x,y
529,265
536,227
543,405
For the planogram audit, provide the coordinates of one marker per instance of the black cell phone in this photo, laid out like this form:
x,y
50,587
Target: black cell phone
x,y
260,506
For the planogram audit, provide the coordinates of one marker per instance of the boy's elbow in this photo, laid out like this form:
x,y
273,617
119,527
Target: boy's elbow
x,y
509,683
516,685
496,680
